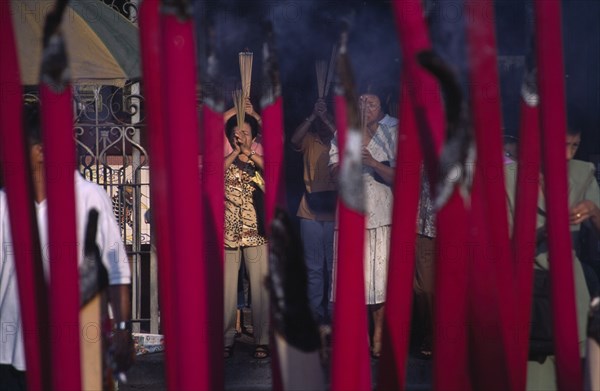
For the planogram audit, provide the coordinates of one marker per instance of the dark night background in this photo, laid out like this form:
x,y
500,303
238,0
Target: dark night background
x,y
306,30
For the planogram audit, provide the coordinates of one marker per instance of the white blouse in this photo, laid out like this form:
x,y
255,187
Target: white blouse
x,y
378,195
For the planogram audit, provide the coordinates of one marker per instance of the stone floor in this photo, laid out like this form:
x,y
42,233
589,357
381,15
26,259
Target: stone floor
x,y
245,373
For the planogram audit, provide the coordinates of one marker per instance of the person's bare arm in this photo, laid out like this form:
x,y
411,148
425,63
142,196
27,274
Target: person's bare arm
x,y
246,149
228,114
257,159
327,121
386,172
234,154
120,302
249,109
319,111
231,157
301,130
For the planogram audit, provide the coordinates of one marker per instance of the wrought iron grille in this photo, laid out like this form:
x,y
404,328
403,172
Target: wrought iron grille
x,y
110,138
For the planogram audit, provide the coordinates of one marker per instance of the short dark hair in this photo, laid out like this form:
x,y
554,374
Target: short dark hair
x,y
31,123
573,131
232,123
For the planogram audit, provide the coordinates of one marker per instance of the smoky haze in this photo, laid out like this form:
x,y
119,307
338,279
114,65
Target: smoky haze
x,y
305,31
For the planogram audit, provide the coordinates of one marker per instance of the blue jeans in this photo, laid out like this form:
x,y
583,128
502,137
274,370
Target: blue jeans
x,y
317,239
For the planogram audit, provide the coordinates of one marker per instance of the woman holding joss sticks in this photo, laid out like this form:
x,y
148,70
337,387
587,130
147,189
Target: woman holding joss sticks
x,y
244,229
380,133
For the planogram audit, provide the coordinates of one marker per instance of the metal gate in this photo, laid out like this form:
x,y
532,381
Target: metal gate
x,y
111,151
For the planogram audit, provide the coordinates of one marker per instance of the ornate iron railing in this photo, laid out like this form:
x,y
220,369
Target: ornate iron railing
x,y
109,134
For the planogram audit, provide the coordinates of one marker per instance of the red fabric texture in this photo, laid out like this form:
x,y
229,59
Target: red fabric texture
x,y
350,363
553,122
190,278
407,179
524,227
59,164
149,22
493,314
23,224
273,136
213,187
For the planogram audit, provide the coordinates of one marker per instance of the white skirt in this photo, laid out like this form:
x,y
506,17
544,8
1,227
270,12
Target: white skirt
x,y
376,255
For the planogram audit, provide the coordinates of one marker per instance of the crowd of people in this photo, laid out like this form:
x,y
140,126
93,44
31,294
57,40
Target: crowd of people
x,y
246,240
316,139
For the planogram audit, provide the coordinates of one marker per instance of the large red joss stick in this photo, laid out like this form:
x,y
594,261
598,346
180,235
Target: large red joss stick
x,y
524,235
450,337
59,171
190,278
402,251
59,163
23,222
492,279
272,117
553,123
450,361
414,38
350,363
213,186
149,22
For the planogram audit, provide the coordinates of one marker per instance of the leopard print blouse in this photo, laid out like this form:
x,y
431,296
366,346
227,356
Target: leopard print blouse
x,y
241,223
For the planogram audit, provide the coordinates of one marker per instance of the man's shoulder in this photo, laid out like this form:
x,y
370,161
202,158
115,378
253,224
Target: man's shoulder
x,y
580,166
88,191
83,184
583,175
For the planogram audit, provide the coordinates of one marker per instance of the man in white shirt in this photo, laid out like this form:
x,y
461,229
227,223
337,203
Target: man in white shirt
x,y
114,258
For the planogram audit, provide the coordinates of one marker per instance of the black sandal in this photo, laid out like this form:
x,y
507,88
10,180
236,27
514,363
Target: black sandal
x,y
228,351
261,352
